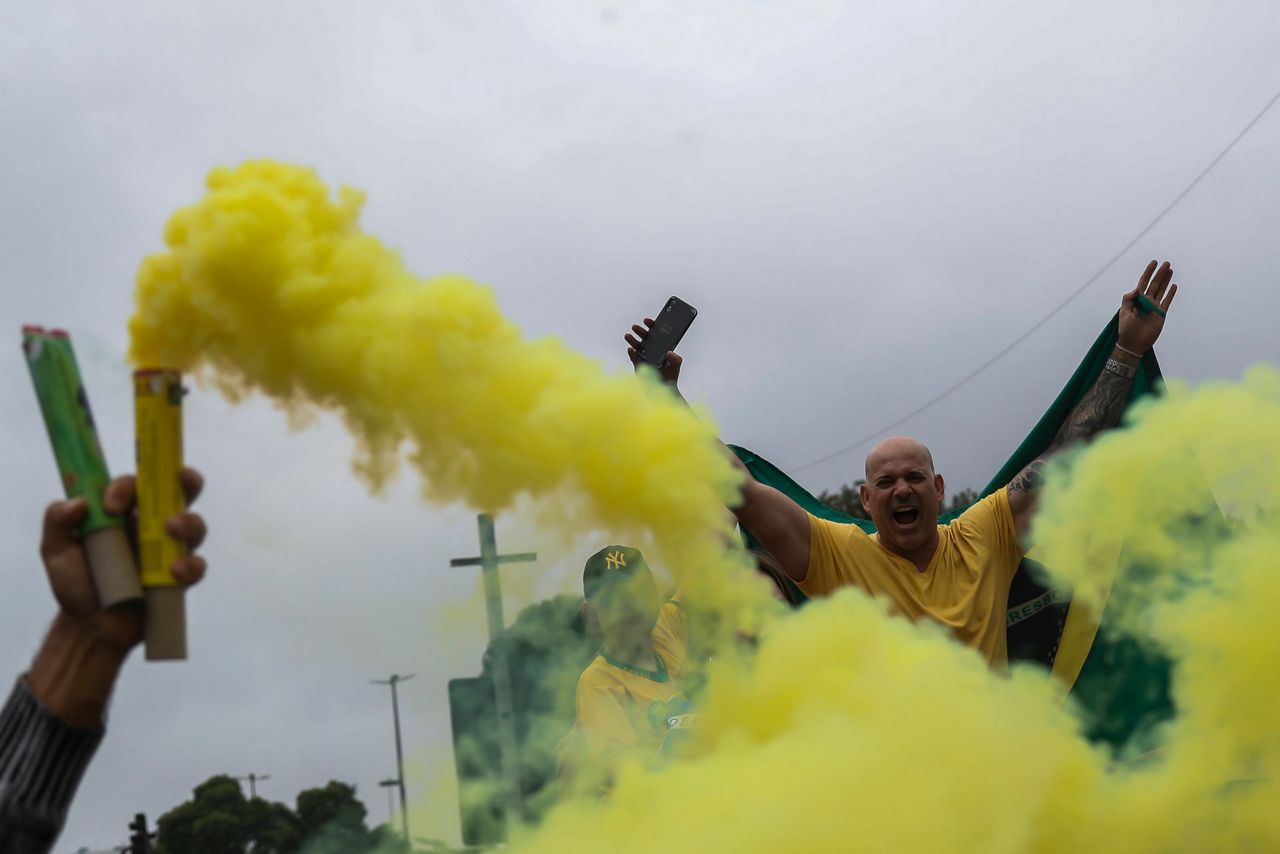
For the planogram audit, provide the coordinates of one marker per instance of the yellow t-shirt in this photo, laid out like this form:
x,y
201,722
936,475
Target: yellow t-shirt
x,y
614,698
965,587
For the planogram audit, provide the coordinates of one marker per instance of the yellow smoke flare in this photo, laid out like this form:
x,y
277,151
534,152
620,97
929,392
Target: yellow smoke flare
x,y
269,285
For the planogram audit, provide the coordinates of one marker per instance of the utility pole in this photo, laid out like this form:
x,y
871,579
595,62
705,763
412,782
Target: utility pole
x,y
395,713
488,562
253,782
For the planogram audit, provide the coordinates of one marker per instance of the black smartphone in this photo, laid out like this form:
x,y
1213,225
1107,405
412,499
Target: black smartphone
x,y
669,326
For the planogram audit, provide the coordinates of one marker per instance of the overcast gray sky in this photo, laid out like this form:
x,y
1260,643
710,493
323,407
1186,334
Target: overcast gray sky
x,y
865,201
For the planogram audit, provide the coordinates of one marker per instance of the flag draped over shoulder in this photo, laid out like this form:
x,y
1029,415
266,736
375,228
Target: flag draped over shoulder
x,y
1124,686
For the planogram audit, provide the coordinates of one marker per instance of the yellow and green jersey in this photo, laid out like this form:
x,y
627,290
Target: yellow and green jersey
x,y
615,699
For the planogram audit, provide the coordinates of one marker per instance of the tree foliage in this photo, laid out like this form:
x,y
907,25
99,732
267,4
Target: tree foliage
x,y
848,500
219,819
546,648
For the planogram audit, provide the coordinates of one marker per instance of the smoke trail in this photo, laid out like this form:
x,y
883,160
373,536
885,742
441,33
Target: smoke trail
x,y
850,731
846,729
269,285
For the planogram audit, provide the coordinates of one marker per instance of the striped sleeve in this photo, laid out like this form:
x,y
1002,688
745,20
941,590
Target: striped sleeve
x,y
41,762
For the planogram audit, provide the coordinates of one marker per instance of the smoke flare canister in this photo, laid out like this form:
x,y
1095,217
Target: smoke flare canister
x,y
69,422
157,407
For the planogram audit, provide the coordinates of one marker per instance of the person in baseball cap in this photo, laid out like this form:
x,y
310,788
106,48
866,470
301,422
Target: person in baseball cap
x,y
642,658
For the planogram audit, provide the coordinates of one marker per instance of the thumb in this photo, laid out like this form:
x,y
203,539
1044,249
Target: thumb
x,y
674,361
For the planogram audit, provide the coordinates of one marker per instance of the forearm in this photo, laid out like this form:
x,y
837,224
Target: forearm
x,y
1102,405
733,458
777,522
74,672
1099,408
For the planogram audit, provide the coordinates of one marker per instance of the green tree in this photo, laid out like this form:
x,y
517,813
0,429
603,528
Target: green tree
x,y
848,500
331,820
273,827
547,648
219,820
960,500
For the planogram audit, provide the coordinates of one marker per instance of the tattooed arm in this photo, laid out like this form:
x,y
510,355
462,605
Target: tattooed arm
x,y
1102,405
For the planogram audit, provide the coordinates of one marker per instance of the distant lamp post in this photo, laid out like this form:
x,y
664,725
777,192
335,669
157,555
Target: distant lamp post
x,y
391,807
253,783
395,713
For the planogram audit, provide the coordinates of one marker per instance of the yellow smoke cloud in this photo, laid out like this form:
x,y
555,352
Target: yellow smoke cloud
x,y
269,285
850,731
847,729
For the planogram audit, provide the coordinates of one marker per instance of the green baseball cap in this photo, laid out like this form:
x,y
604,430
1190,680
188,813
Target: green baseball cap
x,y
610,565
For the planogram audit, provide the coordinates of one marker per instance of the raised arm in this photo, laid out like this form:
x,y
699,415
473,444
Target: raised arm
x,y
780,524
53,720
1102,405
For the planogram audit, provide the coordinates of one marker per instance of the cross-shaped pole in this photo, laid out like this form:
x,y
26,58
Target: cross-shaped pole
x,y
253,783
488,562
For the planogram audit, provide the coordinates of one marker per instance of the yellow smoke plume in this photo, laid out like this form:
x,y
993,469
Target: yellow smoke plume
x,y
268,285
852,731
847,730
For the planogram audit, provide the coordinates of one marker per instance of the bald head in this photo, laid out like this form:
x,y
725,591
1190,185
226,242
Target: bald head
x,y
898,449
903,493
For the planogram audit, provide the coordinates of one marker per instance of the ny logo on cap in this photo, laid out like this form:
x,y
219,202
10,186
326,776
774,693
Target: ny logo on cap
x,y
615,560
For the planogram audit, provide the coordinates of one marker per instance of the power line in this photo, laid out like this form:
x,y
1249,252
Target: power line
x,y
1053,312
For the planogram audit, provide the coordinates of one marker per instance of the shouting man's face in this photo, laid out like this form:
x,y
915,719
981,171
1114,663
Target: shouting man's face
x,y
903,494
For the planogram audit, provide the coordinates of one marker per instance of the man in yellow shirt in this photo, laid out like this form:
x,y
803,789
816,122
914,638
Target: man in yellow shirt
x,y
957,574
641,664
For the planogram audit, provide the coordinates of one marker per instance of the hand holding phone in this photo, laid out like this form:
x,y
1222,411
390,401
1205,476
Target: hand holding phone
x,y
664,332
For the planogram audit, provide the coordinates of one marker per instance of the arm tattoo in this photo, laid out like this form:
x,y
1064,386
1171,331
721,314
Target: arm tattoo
x,y
1100,408
1030,478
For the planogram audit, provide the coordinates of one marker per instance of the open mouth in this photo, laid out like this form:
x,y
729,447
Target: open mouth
x,y
906,516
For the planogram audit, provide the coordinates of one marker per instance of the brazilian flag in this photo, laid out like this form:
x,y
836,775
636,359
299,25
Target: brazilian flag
x,y
1123,686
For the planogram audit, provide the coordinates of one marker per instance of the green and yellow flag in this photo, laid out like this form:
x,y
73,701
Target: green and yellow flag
x,y
1123,685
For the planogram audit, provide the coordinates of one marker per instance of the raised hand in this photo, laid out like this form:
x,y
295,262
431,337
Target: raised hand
x,y
669,370
1140,328
68,568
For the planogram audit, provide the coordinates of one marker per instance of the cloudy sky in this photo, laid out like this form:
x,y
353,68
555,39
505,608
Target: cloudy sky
x,y
865,201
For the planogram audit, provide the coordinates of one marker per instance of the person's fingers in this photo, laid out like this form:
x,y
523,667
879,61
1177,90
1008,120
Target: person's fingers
x,y
189,569
633,355
639,331
648,322
192,483
1168,298
1161,282
188,528
60,520
674,360
1146,277
119,495
632,341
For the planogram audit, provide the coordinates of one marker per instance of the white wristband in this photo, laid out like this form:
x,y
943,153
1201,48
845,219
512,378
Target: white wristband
x,y
1130,352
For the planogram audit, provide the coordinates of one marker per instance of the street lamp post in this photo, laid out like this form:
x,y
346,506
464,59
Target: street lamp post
x,y
391,807
395,713
253,781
